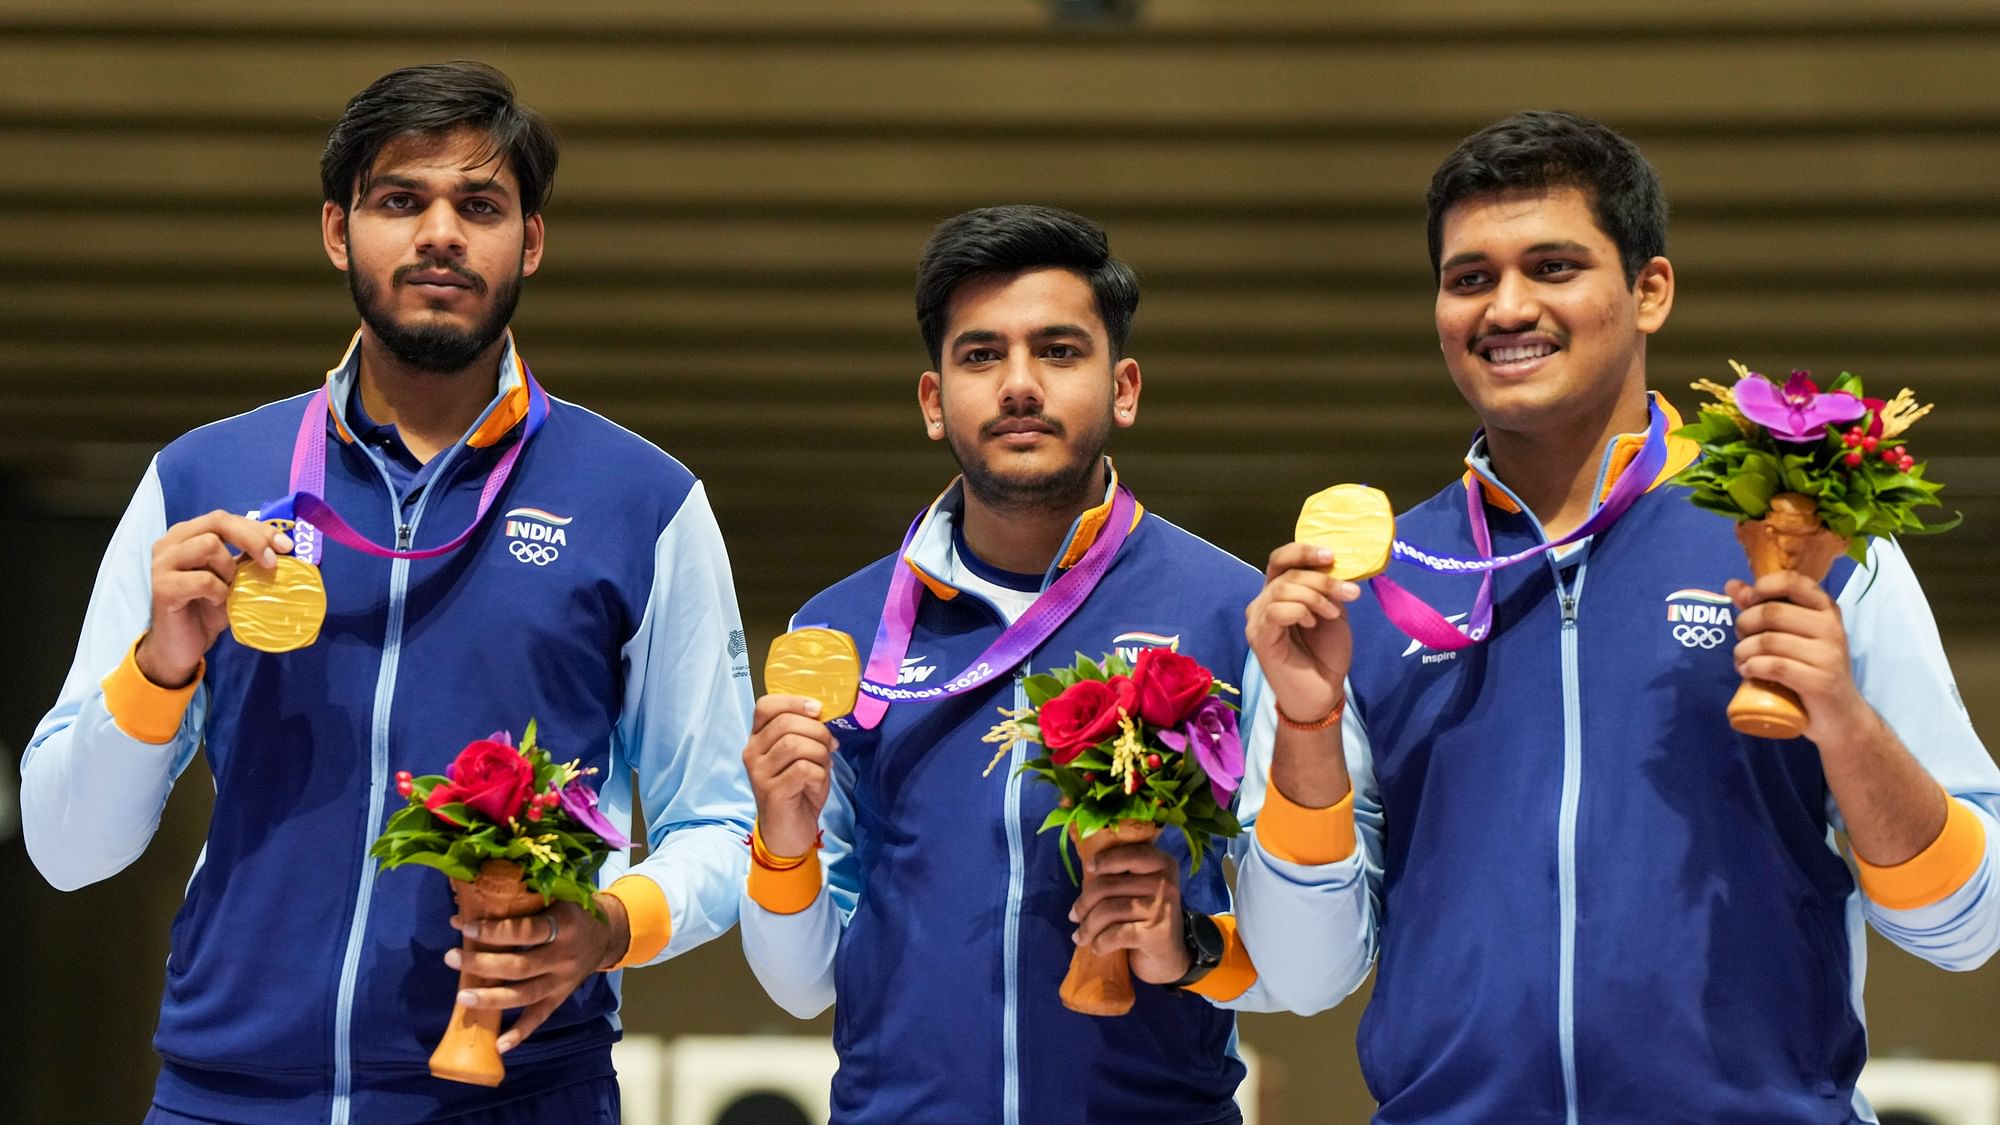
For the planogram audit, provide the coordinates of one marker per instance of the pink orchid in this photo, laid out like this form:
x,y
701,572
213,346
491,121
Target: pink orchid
x,y
1797,412
580,802
1210,735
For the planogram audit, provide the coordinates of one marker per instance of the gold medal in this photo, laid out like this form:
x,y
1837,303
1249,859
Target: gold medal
x,y
277,610
1356,523
819,664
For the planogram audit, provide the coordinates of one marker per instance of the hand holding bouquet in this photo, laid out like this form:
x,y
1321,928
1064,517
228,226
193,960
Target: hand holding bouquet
x,y
1133,748
1807,474
515,831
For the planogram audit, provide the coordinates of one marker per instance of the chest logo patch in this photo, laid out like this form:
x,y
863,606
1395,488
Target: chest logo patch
x,y
536,537
1700,618
1128,645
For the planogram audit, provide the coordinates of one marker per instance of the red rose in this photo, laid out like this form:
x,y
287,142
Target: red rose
x,y
490,778
1084,715
1171,686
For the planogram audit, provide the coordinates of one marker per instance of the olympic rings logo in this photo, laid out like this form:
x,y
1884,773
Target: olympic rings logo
x,y
1700,636
537,553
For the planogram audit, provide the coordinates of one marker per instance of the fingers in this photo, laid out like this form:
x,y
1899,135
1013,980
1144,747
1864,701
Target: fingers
x,y
1784,585
177,590
530,1018
786,738
1297,556
1126,884
528,932
1807,665
255,539
772,707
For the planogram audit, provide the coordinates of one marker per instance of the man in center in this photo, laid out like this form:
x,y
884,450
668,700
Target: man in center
x,y
933,911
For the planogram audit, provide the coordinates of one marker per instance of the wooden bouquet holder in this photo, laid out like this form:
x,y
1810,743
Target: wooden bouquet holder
x,y
1789,537
468,1050
1100,984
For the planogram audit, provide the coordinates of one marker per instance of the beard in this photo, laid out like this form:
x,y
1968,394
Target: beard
x,y
1060,487
429,345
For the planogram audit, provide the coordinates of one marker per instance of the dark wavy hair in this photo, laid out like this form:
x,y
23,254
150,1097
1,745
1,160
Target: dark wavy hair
x,y
1544,149
1004,240
432,100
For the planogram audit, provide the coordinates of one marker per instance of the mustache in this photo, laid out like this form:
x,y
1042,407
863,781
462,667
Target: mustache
x,y
472,279
1055,428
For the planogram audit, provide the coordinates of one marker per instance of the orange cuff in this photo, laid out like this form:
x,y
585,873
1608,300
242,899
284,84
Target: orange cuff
x,y
646,914
1236,974
1297,834
143,709
782,884
1934,873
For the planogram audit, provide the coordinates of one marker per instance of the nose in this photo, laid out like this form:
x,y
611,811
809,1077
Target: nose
x,y
1021,384
1514,302
441,234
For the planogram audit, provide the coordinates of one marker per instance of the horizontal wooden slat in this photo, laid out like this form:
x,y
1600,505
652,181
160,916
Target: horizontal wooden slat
x,y
1804,251
1066,79
802,19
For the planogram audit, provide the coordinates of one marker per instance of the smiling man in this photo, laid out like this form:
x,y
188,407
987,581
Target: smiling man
x,y
299,986
1592,900
940,923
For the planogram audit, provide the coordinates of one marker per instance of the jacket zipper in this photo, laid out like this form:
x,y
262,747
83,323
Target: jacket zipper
x,y
1572,792
378,754
1010,1018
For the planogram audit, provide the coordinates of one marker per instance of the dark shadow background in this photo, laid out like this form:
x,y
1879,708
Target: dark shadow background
x,y
743,194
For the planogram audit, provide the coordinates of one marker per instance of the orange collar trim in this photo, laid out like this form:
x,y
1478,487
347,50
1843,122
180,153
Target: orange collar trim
x,y
1681,452
1088,526
507,410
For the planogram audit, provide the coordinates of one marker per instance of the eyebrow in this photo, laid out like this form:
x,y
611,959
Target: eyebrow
x,y
1559,246
1046,332
489,186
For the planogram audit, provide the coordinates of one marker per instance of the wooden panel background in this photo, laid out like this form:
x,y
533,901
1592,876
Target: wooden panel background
x,y
743,193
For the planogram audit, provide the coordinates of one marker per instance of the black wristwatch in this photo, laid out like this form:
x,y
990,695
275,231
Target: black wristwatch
x,y
1204,946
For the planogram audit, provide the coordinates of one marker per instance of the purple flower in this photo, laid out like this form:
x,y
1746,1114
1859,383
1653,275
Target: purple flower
x,y
1798,412
1210,735
580,802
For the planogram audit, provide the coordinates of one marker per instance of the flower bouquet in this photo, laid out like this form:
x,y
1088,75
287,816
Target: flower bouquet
x,y
1808,474
515,831
1133,747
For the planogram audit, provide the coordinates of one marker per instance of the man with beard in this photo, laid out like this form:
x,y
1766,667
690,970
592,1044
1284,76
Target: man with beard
x,y
940,919
595,599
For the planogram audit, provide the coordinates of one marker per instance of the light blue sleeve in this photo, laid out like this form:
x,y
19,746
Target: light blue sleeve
x,y
91,795
686,718
792,954
1900,667
1310,929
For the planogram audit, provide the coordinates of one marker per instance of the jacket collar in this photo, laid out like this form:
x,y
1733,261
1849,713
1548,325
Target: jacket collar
x,y
508,408
1619,455
929,555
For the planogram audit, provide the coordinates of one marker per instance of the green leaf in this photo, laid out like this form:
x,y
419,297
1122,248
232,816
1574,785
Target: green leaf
x,y
1041,688
1752,492
1087,668
457,869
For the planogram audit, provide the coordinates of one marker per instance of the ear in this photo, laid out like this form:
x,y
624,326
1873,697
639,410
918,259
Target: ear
x,y
333,234
1125,381
1655,290
531,245
930,400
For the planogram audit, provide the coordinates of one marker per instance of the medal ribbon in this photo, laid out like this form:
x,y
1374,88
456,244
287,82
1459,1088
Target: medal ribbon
x,y
1055,606
1428,627
311,515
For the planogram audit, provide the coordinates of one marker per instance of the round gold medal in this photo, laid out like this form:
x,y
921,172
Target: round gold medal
x,y
819,664
277,610
1356,523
